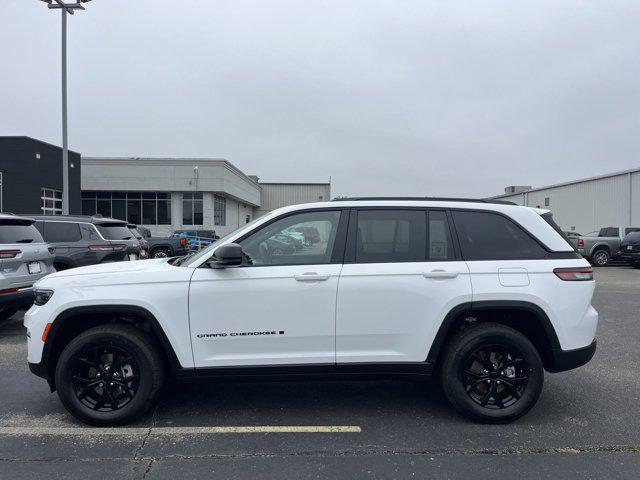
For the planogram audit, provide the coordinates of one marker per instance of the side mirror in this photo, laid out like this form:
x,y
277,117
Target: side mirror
x,y
229,255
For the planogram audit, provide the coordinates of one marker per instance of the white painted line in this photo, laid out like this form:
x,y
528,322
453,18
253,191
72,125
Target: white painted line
x,y
62,431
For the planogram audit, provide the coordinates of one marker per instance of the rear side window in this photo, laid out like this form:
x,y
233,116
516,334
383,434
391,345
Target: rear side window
x,y
61,232
115,232
609,232
489,236
391,236
16,233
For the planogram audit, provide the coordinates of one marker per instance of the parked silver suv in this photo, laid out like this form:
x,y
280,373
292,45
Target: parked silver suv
x,y
24,258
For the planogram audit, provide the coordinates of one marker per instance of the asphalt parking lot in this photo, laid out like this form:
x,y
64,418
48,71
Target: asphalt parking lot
x,y
586,424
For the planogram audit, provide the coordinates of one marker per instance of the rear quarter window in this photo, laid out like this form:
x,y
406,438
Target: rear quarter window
x,y
489,236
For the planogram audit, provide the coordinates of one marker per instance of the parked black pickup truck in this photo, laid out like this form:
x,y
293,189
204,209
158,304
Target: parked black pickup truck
x,y
163,247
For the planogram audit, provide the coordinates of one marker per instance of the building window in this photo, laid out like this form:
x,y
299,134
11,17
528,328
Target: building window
x,y
546,201
141,208
219,210
192,208
51,201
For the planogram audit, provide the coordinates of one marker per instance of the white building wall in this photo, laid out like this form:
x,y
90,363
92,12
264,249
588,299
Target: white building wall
x,y
276,195
591,204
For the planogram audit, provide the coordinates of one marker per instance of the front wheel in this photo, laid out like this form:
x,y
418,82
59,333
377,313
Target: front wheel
x,y
109,375
160,253
492,373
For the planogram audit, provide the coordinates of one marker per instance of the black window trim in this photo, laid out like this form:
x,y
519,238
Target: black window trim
x,y
337,253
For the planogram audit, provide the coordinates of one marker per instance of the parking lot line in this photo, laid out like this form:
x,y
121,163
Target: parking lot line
x,y
88,431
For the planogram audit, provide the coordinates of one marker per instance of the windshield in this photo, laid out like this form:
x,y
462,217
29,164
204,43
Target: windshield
x,y
19,234
115,232
204,252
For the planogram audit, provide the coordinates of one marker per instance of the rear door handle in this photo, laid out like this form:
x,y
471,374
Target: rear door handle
x,y
440,274
311,277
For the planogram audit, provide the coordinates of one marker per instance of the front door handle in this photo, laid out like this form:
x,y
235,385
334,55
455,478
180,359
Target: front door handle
x,y
311,277
440,274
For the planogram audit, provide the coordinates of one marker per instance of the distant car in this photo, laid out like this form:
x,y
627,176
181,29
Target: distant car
x,y
83,240
25,258
573,237
604,247
144,245
163,247
630,249
311,235
198,239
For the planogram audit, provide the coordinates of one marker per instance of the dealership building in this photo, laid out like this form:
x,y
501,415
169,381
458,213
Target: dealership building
x,y
165,194
588,204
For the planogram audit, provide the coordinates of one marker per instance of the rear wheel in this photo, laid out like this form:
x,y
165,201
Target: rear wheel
x,y
109,375
492,373
600,258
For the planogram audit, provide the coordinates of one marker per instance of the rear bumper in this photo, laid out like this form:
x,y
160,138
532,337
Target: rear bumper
x,y
563,360
20,298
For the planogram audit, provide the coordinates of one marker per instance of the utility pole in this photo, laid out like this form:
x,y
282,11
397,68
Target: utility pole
x,y
65,8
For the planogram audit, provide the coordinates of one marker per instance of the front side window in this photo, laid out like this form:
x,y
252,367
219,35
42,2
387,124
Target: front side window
x,y
275,245
390,236
192,208
51,201
58,232
489,236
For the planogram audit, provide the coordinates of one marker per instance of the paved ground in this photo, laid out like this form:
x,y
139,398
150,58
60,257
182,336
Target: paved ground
x,y
586,424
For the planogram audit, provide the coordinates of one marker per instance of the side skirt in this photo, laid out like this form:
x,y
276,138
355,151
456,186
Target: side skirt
x,y
350,371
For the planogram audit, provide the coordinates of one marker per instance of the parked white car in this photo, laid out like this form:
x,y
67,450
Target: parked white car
x,y
487,294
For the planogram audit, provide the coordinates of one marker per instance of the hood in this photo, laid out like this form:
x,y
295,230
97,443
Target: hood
x,y
135,272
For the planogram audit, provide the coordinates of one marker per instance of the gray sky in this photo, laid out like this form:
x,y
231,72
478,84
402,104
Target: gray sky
x,y
387,98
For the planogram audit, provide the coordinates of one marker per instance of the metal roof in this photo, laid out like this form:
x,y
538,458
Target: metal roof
x,y
572,182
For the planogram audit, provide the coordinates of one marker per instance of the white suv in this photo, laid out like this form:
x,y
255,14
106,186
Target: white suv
x,y
487,294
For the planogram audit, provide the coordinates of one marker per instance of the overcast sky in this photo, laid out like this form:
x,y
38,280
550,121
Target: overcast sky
x,y
387,98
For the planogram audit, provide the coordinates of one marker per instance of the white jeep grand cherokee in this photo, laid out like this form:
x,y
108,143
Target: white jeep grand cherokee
x,y
487,294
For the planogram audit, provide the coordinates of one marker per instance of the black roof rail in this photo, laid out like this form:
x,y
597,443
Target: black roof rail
x,y
430,199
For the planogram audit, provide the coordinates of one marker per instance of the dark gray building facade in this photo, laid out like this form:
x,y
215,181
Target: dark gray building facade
x,y
31,177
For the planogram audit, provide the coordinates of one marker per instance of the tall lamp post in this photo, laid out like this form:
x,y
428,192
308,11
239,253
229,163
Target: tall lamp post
x,y
66,8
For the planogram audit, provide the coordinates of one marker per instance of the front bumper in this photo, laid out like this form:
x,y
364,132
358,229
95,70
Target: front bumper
x,y
563,360
21,298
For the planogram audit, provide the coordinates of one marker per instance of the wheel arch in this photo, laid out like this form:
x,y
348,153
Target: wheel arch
x,y
525,317
70,323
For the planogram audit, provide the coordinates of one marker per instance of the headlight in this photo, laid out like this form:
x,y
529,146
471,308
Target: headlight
x,y
42,296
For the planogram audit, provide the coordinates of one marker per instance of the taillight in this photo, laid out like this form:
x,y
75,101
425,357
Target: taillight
x,y
107,248
574,274
9,253
183,242
9,290
580,243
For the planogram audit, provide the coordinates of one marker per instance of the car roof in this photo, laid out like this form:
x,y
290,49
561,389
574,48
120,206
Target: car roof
x,y
10,218
95,219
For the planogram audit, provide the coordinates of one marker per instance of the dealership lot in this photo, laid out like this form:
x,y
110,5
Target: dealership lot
x,y
586,421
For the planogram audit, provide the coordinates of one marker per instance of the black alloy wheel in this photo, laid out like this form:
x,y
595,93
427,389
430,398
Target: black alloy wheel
x,y
105,378
495,376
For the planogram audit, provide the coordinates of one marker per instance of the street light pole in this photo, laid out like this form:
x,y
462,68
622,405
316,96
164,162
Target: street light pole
x,y
65,143
66,8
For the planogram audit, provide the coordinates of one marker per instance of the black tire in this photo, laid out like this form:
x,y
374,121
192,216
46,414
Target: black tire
x,y
460,371
145,362
161,253
600,258
7,312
